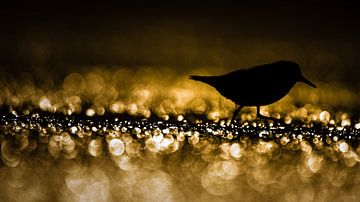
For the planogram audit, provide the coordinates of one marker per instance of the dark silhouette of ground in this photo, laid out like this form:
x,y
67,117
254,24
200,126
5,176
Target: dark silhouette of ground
x,y
256,86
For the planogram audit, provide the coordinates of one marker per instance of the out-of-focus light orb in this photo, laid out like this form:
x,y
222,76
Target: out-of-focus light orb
x,y
314,163
306,147
345,122
45,104
287,119
10,157
132,109
151,145
284,140
325,116
117,107
74,83
198,106
230,169
68,144
343,147
137,131
180,118
158,136
73,129
94,129
132,148
146,113
263,133
181,136
124,162
215,116
100,111
166,141
95,147
351,158
357,126
218,178
264,147
90,112
235,150
166,131
194,139
88,187
116,147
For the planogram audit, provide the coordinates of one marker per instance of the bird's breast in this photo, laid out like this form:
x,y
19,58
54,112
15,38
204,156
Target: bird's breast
x,y
256,93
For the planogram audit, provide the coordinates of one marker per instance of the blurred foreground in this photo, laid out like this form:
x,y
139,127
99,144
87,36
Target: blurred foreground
x,y
73,158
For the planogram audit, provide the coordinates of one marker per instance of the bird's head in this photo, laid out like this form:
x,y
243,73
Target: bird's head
x,y
296,73
305,80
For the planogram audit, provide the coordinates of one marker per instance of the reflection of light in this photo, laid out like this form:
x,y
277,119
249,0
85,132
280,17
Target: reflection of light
x,y
344,147
116,147
124,162
351,158
89,187
193,158
314,162
218,178
9,157
305,147
152,158
95,147
264,147
194,139
235,150
67,142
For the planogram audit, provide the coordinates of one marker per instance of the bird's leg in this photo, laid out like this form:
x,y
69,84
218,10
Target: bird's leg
x,y
236,112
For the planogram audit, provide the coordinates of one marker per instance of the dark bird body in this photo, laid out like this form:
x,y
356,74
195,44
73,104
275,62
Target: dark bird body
x,y
257,86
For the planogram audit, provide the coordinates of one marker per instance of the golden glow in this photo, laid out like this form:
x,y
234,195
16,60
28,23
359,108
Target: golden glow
x,y
90,162
164,93
100,162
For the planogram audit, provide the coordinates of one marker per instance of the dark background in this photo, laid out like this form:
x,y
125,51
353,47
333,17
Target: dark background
x,y
63,37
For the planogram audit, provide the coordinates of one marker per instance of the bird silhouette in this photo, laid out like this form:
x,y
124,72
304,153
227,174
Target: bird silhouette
x,y
257,86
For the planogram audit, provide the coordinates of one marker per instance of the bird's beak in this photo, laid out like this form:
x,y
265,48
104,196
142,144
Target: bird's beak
x,y
305,80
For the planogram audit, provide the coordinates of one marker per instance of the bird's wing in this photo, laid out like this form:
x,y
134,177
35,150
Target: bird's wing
x,y
248,81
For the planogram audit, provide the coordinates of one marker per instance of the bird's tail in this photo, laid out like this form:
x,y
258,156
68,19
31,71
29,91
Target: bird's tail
x,y
197,78
206,79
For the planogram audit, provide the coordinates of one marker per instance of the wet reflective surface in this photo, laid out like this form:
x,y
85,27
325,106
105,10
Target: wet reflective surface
x,y
77,158
123,134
